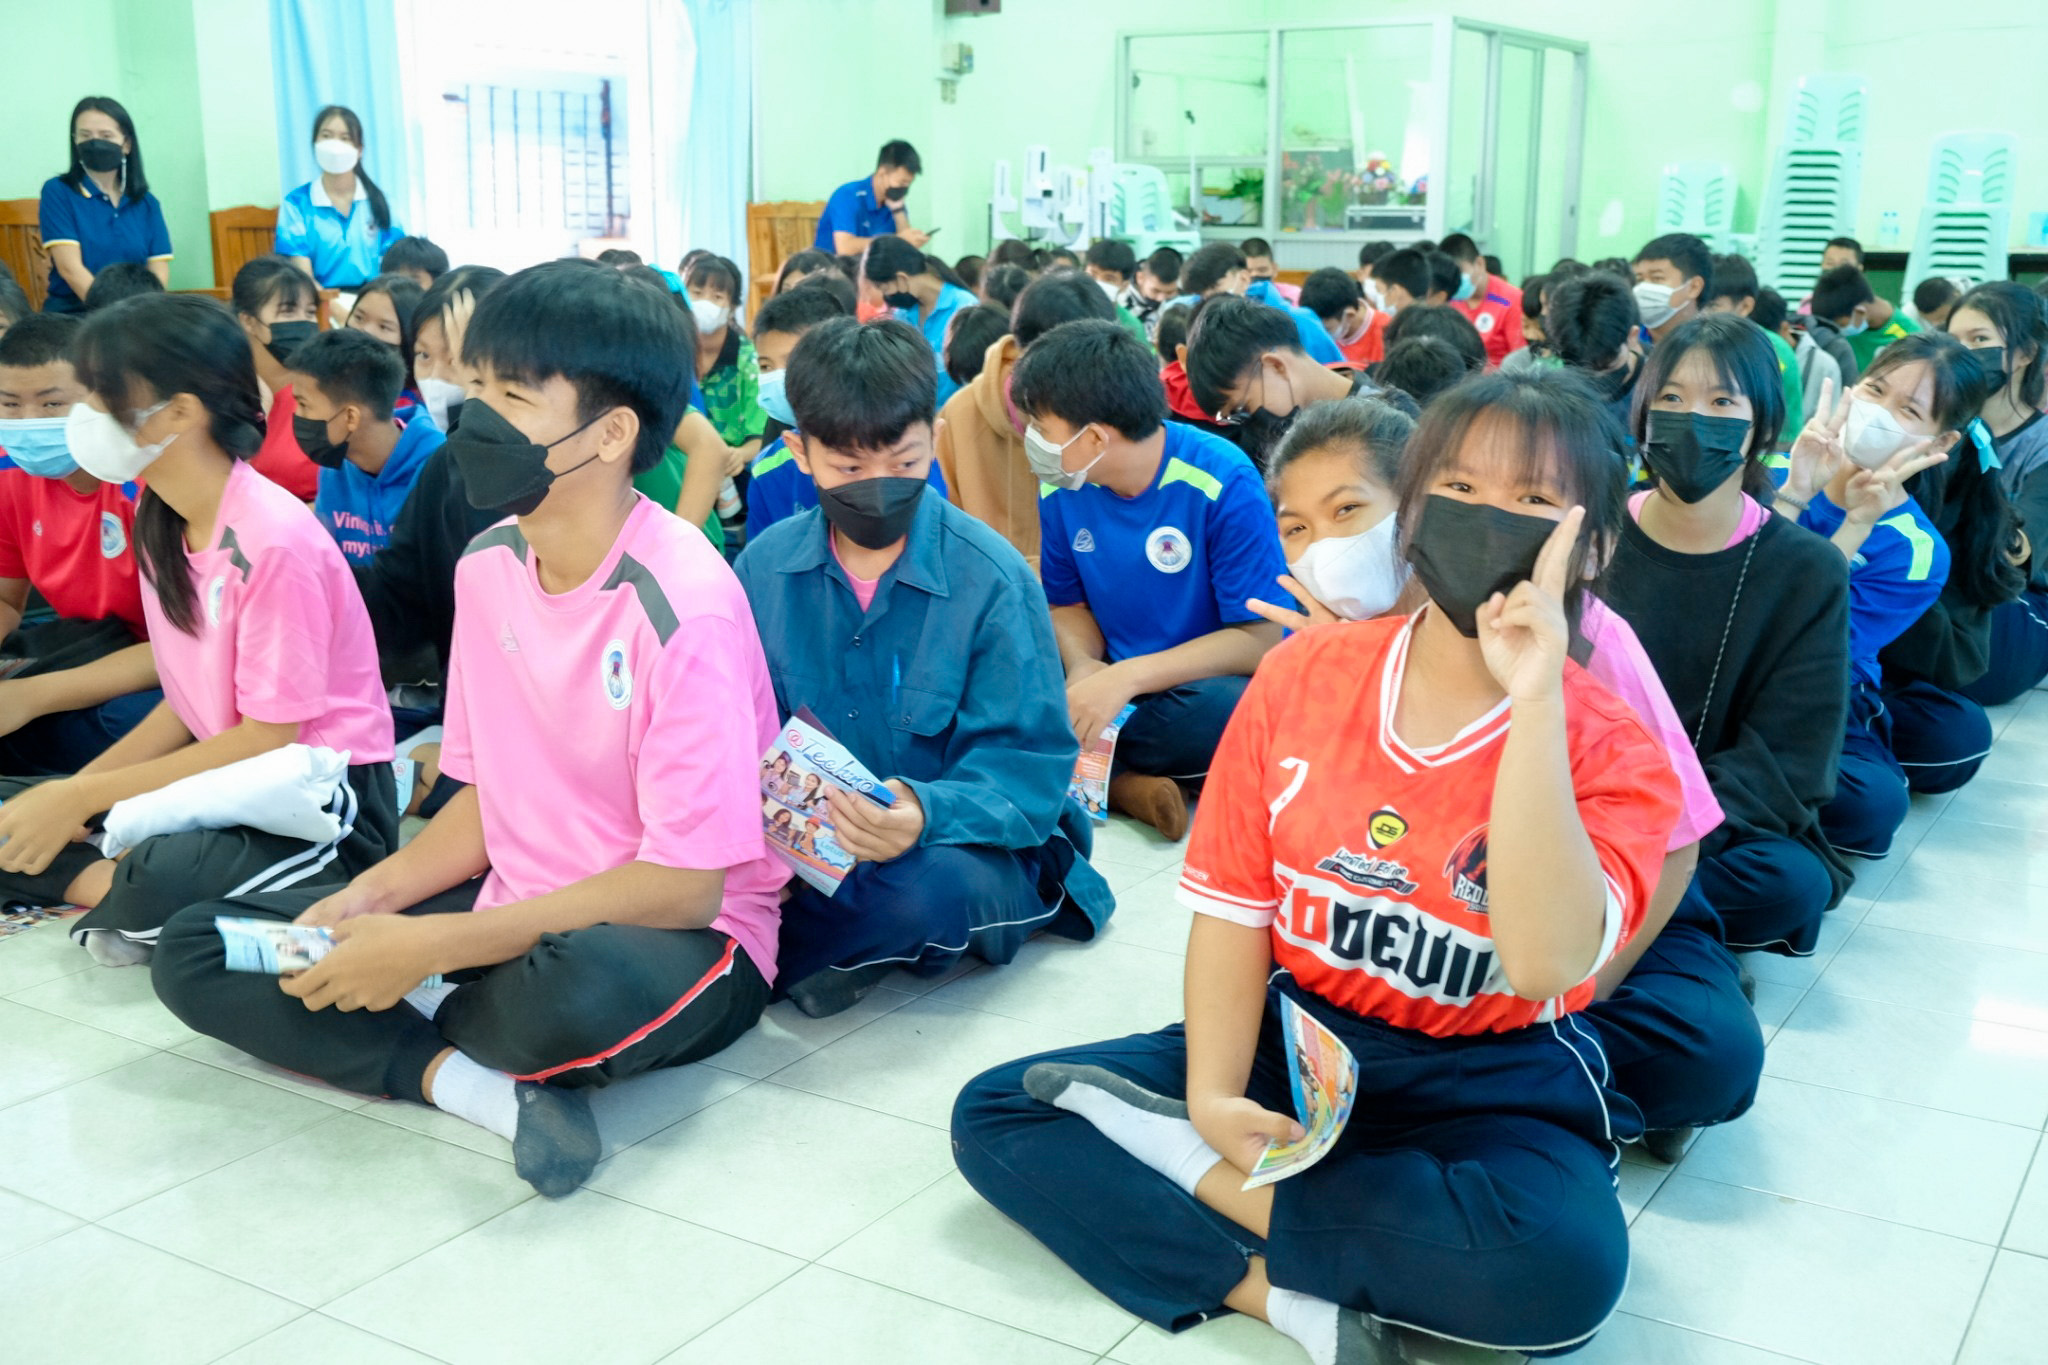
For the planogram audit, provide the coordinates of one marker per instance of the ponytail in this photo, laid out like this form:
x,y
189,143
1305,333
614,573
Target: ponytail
x,y
380,209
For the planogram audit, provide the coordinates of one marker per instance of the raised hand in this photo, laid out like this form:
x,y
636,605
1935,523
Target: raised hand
x,y
1312,613
1524,633
1874,492
1818,454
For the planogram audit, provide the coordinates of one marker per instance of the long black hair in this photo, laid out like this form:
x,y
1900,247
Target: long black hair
x,y
151,348
379,209
2022,324
1963,495
405,294
1745,362
134,184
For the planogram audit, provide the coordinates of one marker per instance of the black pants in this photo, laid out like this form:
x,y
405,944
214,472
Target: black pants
x,y
587,1007
163,875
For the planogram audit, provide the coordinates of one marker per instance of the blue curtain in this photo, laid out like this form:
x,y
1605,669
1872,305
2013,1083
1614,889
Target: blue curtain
x,y
342,52
717,155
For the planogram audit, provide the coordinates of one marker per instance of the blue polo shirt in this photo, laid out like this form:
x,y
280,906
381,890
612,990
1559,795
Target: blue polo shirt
x,y
1176,562
778,488
1893,579
344,246
104,232
360,509
854,208
952,298
950,679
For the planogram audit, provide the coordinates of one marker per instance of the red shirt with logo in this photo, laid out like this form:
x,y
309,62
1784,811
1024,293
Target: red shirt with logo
x,y
1497,312
1369,347
279,458
72,547
1366,858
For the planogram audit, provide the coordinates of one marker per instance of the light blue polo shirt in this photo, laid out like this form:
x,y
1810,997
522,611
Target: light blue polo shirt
x,y
343,247
952,298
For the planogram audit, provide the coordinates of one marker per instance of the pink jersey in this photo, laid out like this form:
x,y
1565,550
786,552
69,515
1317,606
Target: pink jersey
x,y
282,634
621,721
1620,661
1754,514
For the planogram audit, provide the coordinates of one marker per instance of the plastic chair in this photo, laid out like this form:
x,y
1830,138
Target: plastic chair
x,y
1141,211
1697,197
1816,177
1966,217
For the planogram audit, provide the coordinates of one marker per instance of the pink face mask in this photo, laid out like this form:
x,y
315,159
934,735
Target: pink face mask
x,y
1016,417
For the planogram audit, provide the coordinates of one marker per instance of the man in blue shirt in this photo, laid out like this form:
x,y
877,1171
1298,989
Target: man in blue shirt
x,y
347,384
777,486
1220,268
920,639
1154,538
861,210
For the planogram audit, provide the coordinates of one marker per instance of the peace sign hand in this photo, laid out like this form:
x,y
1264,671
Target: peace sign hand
x,y
1818,454
1523,634
1874,492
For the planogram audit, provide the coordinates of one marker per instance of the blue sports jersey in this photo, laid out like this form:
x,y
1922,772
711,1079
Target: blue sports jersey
x,y
1176,562
1895,577
778,488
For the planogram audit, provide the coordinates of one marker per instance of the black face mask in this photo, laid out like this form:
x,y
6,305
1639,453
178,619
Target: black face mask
x,y
1693,454
894,194
1261,431
286,337
454,415
1465,552
872,513
311,434
772,433
503,471
904,299
1993,360
101,155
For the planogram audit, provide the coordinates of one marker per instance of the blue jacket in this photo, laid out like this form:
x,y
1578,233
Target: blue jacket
x,y
950,681
360,509
1893,579
1315,338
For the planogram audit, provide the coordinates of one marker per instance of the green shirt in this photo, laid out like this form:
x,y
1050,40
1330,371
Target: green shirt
x,y
664,484
1788,379
1867,343
732,393
1129,322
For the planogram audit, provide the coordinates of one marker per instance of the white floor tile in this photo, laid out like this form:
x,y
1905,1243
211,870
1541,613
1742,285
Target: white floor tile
x,y
1979,908
2012,1320
1835,928
1944,1061
907,983
1727,1261
1901,1162
1231,1340
2017,758
950,1246
913,1061
138,1130
439,1125
640,1106
1124,840
43,1052
1148,916
93,1296
1630,1340
2029,1230
2001,985
2002,802
1774,1004
1098,990
118,999
214,1052
25,1223
378,1195
317,1340
1967,849
36,955
822,1315
1122,877
781,1167
584,1279
1639,1180
785,1034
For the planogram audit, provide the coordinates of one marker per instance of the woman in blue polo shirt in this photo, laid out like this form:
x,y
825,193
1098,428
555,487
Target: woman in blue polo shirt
x,y
337,226
100,211
924,292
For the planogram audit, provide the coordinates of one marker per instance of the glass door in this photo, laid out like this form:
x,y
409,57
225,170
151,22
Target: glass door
x,y
1520,122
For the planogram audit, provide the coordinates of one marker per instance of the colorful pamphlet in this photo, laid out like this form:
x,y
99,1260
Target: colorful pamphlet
x,y
800,767
1325,1080
268,945
1090,785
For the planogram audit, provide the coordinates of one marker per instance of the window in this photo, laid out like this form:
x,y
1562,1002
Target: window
x,y
544,158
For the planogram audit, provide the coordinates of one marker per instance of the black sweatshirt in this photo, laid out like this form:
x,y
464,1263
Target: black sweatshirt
x,y
1950,645
409,586
1774,723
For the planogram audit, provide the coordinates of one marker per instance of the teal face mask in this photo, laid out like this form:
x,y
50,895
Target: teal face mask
x,y
1464,289
37,446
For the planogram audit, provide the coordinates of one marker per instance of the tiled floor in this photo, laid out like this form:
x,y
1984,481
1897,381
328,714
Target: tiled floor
x,y
163,1199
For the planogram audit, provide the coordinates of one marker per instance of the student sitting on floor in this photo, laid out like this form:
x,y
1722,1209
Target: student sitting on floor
x,y
1379,848
1219,268
347,384
1488,302
1340,304
1746,617
1735,291
921,639
1155,284
1844,298
1154,538
259,635
278,305
609,704
1246,366
68,537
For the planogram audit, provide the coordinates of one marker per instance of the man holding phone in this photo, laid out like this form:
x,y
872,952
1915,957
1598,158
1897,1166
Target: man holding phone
x,y
861,210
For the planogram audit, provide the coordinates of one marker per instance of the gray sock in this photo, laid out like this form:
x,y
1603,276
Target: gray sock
x,y
556,1146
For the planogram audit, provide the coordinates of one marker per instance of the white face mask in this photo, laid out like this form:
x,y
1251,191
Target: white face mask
x,y
107,450
1653,301
336,155
1373,295
710,316
1111,288
1872,435
1048,461
440,396
1357,577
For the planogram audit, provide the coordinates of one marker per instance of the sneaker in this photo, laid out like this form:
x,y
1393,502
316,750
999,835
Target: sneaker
x,y
1158,801
555,1147
1667,1144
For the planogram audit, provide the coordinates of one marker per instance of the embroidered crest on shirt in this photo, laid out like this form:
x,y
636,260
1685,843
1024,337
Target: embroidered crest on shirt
x,y
38,527
618,679
1084,540
113,540
507,641
1375,874
214,592
1168,550
1484,322
1466,869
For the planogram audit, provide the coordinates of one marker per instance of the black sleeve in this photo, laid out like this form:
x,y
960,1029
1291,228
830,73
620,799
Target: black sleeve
x,y
2031,503
1949,646
409,586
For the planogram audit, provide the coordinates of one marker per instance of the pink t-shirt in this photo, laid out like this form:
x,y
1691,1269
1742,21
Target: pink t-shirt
x,y
1619,661
621,721
282,633
863,588
1753,515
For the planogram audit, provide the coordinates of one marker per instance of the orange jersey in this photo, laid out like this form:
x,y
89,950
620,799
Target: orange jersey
x,y
1367,858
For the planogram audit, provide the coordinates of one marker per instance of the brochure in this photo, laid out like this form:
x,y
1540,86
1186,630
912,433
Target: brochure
x,y
1091,771
1325,1081
268,945
15,918
802,765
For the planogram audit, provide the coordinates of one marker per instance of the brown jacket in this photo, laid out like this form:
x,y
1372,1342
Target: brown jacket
x,y
982,455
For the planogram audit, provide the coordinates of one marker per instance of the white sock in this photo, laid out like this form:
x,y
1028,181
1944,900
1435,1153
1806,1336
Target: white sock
x,y
477,1093
1312,1322
111,948
1169,1146
427,999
